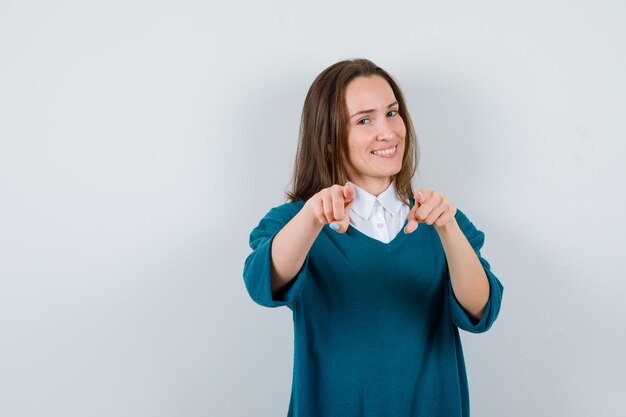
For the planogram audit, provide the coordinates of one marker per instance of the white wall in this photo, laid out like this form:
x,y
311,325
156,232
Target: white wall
x,y
140,142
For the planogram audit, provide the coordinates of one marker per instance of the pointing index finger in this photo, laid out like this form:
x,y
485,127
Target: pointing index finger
x,y
419,197
349,192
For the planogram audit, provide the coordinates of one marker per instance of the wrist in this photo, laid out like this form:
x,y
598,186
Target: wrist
x,y
447,228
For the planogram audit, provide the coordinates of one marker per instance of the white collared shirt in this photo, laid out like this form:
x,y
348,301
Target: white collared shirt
x,y
380,218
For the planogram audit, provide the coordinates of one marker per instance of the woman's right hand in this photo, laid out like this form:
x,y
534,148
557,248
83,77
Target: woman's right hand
x,y
332,206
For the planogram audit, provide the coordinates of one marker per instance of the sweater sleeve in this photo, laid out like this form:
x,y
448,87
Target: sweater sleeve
x,y
257,268
460,317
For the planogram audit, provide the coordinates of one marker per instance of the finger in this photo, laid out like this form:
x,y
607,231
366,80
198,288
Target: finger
x,y
446,217
346,209
343,224
436,213
411,226
413,213
430,202
349,192
318,209
328,207
338,202
418,197
412,222
443,220
340,226
421,196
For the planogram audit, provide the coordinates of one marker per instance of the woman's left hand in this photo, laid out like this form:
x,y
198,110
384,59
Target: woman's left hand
x,y
430,208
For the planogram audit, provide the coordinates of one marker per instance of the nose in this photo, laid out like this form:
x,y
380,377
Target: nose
x,y
385,132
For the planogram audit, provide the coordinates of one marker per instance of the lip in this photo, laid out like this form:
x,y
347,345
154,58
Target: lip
x,y
384,149
391,155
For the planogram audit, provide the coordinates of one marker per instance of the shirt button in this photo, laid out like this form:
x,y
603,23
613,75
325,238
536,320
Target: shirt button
x,y
380,225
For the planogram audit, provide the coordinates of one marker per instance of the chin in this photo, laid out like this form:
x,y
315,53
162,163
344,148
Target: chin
x,y
395,171
390,173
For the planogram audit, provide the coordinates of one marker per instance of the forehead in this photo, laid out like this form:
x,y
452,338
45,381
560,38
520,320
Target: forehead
x,y
368,93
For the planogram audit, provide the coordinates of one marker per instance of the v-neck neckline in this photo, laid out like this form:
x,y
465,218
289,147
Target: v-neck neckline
x,y
397,240
401,236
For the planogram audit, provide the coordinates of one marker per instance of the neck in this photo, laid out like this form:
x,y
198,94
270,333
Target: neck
x,y
374,186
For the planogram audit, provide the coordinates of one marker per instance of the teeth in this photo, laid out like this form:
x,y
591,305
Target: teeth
x,y
386,151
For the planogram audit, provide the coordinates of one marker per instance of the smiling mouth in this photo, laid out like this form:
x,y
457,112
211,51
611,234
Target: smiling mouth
x,y
386,152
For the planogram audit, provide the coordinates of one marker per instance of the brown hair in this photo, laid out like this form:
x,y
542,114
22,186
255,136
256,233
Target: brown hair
x,y
324,129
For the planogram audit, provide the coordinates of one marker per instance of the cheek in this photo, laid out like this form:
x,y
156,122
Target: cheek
x,y
401,128
353,150
357,144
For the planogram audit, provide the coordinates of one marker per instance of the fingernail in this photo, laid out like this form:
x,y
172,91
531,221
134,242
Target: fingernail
x,y
405,232
334,226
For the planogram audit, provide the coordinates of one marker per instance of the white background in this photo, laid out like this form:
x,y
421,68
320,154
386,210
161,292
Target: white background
x,y
141,141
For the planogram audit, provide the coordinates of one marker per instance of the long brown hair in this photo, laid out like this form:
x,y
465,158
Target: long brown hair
x,y
324,130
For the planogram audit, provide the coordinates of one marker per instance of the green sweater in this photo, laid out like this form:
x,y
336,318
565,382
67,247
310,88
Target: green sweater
x,y
376,324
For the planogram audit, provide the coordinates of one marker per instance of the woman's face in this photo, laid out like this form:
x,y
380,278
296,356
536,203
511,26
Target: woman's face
x,y
376,133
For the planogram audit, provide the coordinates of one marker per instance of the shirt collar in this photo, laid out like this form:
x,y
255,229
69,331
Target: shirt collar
x,y
364,202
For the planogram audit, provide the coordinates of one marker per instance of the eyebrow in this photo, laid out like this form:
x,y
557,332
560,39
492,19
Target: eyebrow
x,y
371,110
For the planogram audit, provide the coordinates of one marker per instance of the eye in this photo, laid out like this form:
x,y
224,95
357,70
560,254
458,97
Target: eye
x,y
392,113
363,121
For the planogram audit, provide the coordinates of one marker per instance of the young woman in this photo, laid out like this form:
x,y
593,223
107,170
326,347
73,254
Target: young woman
x,y
379,278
